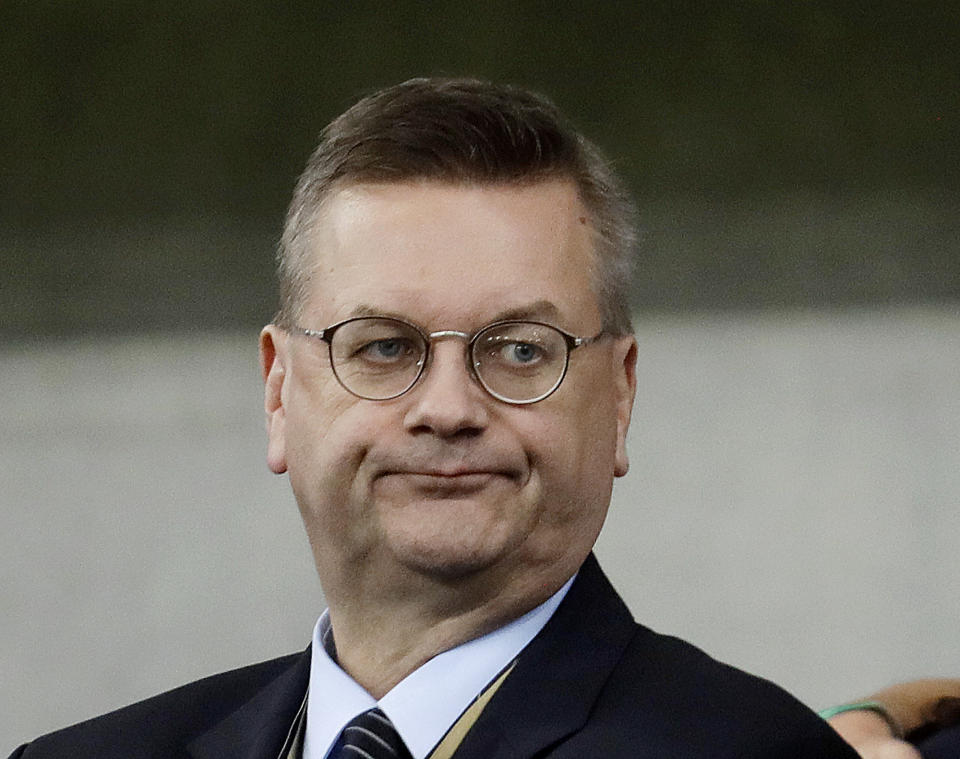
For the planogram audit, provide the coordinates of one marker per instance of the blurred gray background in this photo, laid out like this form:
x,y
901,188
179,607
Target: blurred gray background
x,y
792,506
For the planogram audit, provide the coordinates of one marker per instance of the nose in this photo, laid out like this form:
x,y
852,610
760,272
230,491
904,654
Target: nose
x,y
447,401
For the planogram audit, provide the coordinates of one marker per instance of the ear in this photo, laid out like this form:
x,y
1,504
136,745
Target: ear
x,y
273,361
625,374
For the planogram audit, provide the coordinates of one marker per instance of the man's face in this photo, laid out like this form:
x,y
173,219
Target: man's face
x,y
445,481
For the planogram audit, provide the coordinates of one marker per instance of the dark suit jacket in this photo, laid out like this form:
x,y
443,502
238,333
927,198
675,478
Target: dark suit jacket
x,y
591,684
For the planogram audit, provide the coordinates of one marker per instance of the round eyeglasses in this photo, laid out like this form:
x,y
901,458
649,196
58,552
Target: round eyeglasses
x,y
378,358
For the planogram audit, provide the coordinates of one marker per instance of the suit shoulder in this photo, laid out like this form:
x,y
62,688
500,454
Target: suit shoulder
x,y
683,671
666,685
160,725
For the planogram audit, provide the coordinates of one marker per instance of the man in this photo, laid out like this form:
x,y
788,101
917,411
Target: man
x,y
448,385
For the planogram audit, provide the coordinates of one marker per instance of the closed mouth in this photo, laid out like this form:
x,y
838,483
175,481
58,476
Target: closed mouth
x,y
448,482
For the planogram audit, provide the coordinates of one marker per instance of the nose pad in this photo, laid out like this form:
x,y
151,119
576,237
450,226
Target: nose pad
x,y
448,399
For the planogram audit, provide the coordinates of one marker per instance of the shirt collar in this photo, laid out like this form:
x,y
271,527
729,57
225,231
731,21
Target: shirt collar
x,y
425,704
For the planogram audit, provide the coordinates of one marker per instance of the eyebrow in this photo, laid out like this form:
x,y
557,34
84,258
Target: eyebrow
x,y
539,310
364,310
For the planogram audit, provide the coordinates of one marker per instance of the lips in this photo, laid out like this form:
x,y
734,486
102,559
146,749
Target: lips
x,y
443,468
440,477
451,476
458,479
446,474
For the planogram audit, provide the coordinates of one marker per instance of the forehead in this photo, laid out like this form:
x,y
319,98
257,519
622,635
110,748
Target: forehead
x,y
430,251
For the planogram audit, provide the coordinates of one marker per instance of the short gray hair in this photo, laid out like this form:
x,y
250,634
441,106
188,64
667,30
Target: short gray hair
x,y
463,131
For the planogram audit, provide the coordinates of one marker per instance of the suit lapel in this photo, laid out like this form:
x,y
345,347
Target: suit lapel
x,y
257,729
558,676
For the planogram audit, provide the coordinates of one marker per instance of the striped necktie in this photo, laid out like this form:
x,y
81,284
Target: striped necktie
x,y
371,735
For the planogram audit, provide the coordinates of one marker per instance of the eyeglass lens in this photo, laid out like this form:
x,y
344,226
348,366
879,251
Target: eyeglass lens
x,y
380,358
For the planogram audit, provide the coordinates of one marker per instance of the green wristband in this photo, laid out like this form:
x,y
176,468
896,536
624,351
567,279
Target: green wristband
x,y
865,706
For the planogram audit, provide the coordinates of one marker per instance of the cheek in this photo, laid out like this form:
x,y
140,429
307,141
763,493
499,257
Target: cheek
x,y
571,465
326,477
581,444
574,455
325,443
591,422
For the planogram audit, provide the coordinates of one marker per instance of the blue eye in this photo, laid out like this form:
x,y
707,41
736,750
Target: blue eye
x,y
521,353
386,348
390,349
524,352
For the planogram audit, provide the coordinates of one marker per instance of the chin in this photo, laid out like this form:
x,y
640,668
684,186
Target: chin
x,y
454,551
455,560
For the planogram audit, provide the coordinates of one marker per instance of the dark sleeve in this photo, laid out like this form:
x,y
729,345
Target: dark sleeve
x,y
18,752
944,744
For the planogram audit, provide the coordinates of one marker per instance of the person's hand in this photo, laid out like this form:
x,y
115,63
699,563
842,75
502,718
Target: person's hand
x,y
922,705
869,734
918,708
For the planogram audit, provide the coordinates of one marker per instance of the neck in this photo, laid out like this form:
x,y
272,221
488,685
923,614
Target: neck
x,y
384,632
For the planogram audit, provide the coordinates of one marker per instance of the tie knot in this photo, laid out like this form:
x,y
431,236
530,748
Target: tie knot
x,y
370,735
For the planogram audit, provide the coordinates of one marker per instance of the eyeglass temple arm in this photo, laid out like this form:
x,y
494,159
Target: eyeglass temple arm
x,y
320,334
575,342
